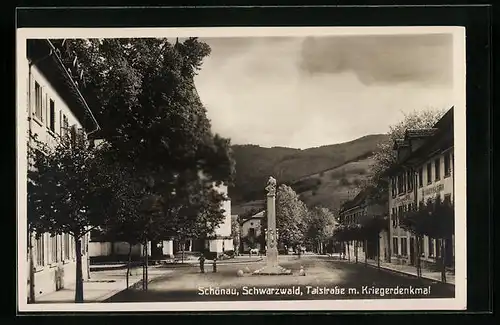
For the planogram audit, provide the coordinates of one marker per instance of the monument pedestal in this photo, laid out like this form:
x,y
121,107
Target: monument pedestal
x,y
272,267
273,270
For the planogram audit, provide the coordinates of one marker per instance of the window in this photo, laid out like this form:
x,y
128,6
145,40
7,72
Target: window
x,y
431,247
71,247
404,246
38,101
54,258
437,169
421,244
447,164
404,182
409,181
420,177
40,251
393,187
394,217
251,232
84,244
395,248
64,126
400,184
429,173
52,116
66,246
438,247
400,213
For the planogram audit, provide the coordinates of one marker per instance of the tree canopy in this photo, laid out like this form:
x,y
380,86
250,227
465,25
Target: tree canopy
x,y
320,225
158,136
291,214
385,157
67,190
146,102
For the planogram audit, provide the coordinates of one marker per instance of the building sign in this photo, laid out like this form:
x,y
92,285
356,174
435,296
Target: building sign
x,y
433,190
403,199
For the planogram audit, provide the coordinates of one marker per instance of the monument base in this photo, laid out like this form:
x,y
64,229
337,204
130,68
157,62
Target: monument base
x,y
273,270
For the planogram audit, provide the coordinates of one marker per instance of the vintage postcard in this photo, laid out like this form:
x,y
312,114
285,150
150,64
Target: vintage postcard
x,y
203,169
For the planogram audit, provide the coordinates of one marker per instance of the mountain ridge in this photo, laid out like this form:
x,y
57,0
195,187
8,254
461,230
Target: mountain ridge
x,y
254,164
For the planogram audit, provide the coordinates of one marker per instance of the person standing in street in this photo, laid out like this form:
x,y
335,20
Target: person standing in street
x,y
215,264
202,263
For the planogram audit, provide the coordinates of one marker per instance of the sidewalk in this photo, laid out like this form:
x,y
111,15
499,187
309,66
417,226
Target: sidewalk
x,y
101,285
411,270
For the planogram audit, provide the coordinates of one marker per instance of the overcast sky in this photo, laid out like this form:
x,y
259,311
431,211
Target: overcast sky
x,y
308,92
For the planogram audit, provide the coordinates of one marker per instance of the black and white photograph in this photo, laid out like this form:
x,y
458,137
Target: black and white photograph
x,y
241,169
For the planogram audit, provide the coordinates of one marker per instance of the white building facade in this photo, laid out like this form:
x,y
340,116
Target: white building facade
x,y
251,232
54,108
424,172
219,242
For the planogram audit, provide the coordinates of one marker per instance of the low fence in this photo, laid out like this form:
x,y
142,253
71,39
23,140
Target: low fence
x,y
114,251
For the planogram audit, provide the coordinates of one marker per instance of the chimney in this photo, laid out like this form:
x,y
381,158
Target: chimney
x,y
403,149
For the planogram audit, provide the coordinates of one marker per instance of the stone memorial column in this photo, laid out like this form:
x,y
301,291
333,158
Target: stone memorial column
x,y
272,247
272,267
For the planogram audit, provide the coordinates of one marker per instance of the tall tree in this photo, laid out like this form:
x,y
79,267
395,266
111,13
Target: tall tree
x,y
236,233
152,117
68,193
385,157
291,214
320,227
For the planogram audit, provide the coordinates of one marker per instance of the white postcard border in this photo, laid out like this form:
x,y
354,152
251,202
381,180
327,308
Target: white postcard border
x,y
457,303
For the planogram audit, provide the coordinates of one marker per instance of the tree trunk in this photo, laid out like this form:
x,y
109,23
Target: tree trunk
x,y
366,252
348,252
389,250
183,247
79,275
32,269
129,262
419,261
356,244
378,251
443,261
146,264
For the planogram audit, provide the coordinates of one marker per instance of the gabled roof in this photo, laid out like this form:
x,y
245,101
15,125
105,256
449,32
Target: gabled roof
x,y
440,136
357,200
400,143
419,133
258,215
54,69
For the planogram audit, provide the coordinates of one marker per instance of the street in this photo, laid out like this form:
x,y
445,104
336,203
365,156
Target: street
x,y
324,278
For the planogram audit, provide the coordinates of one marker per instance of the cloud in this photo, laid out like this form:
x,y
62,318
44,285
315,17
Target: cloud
x,y
382,59
261,91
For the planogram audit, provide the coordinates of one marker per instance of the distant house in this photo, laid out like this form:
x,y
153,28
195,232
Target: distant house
x,y
251,231
358,211
219,242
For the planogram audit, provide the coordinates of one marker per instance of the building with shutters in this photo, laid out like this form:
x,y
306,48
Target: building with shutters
x,y
425,170
55,108
360,210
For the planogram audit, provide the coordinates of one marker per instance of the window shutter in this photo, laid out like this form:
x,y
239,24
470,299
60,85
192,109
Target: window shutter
x,y
31,94
44,109
60,123
28,94
47,113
